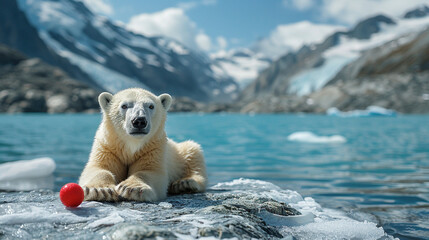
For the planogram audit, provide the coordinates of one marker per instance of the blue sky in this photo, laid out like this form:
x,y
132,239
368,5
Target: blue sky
x,y
236,20
214,25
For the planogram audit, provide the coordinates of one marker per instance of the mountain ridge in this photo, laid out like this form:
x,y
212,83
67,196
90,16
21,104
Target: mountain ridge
x,y
296,81
94,50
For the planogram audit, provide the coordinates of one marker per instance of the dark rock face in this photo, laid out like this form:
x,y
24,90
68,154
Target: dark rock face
x,y
30,85
367,27
423,11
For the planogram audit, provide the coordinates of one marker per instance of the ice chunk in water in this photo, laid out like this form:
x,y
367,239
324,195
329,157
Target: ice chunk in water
x,y
313,138
370,111
27,175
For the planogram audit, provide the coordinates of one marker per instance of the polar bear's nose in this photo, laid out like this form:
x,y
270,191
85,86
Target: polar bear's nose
x,y
139,122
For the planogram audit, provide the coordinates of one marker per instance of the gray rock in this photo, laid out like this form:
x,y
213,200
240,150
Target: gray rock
x,y
58,103
30,85
217,213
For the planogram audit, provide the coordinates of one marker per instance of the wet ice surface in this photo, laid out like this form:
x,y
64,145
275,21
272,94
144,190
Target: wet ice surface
x,y
241,208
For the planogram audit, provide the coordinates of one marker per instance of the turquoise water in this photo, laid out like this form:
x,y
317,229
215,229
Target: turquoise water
x,y
381,173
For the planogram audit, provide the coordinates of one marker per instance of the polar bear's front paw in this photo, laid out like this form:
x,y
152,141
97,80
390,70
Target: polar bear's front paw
x,y
186,185
137,192
107,194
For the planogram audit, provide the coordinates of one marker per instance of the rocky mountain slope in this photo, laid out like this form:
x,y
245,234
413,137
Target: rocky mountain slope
x,y
105,55
30,85
394,76
375,46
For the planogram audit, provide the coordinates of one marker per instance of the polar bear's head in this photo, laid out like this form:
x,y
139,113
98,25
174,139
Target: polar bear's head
x,y
135,112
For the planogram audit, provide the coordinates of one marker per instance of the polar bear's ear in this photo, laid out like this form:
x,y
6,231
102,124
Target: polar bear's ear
x,y
104,99
166,100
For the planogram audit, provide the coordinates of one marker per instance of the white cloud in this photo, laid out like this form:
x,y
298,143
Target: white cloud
x,y
99,6
222,43
203,41
350,12
300,4
173,23
291,37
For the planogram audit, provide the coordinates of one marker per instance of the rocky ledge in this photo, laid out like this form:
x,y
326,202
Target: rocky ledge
x,y
241,209
30,85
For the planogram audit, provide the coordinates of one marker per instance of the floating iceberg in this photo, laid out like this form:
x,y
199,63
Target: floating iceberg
x,y
310,137
26,175
370,111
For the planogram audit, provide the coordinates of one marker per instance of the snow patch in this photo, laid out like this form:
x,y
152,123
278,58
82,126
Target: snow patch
x,y
49,15
310,137
130,55
177,48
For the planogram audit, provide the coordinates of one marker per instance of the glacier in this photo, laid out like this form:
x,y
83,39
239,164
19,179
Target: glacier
x,y
349,49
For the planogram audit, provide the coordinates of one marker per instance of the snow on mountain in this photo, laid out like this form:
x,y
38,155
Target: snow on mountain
x,y
243,65
114,58
349,49
291,37
313,66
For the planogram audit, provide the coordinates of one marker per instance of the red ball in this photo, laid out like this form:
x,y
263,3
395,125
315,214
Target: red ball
x,y
71,195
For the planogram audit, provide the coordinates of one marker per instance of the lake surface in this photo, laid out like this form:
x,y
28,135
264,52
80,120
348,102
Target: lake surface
x,y
381,173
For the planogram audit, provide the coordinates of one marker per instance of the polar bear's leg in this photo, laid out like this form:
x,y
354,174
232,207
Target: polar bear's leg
x,y
99,178
195,177
144,186
147,179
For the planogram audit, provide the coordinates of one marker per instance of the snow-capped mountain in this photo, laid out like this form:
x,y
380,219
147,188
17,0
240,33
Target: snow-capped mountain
x,y
312,67
95,50
243,65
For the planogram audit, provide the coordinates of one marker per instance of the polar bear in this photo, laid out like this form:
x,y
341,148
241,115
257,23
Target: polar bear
x,y
132,158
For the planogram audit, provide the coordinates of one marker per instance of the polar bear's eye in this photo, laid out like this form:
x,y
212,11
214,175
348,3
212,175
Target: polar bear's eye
x,y
124,106
151,106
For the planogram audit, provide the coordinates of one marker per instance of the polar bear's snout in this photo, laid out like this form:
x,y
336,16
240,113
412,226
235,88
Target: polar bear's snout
x,y
138,119
139,122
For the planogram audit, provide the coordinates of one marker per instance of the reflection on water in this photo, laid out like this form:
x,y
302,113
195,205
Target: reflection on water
x,y
382,169
28,184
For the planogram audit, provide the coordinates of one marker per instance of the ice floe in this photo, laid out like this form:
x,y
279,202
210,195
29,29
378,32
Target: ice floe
x,y
371,111
310,137
25,175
